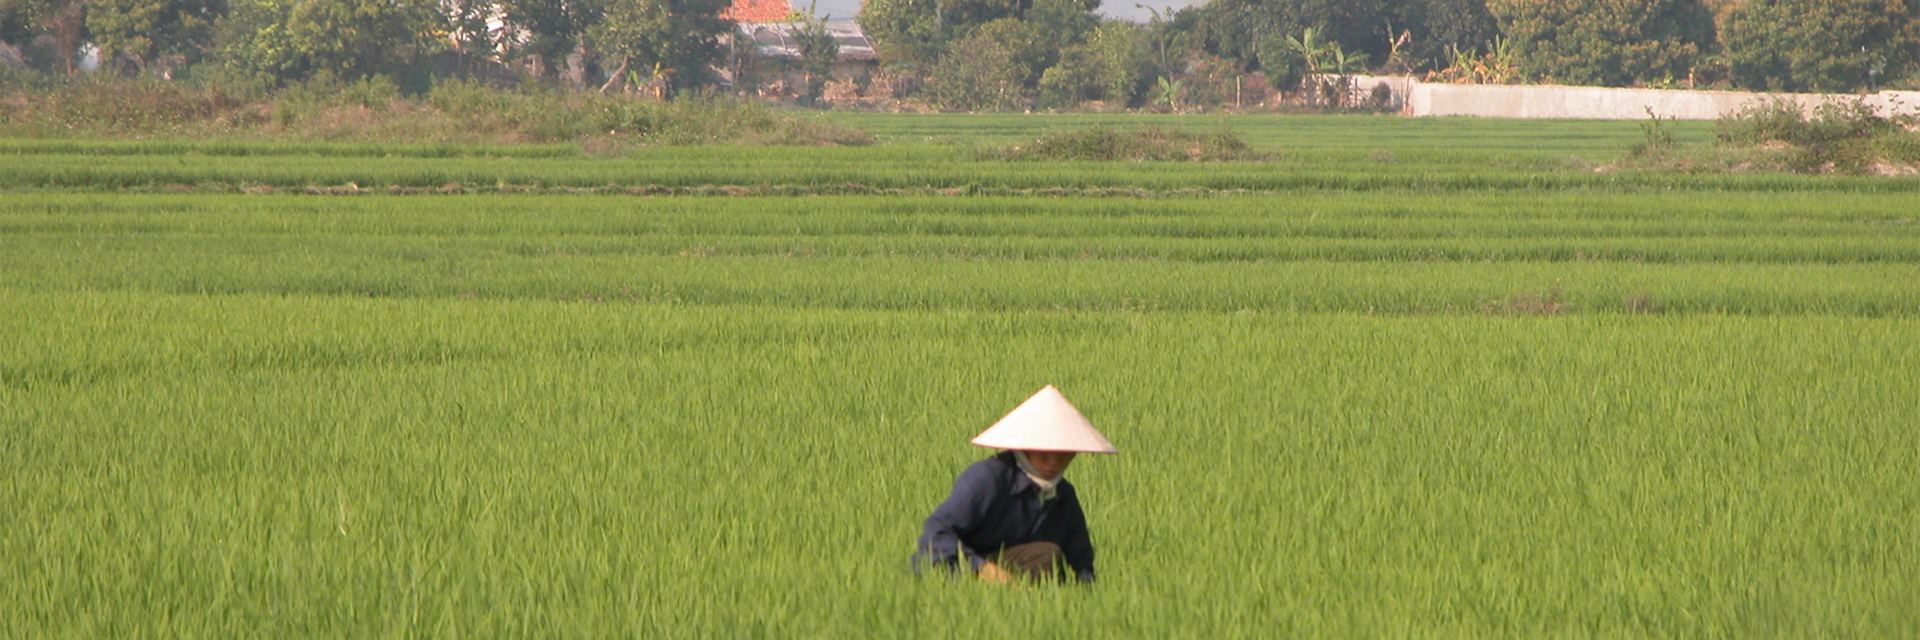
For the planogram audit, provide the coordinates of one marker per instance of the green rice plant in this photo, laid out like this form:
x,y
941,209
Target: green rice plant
x,y
899,169
344,465
1477,391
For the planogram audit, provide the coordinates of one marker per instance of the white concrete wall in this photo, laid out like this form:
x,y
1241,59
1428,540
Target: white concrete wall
x,y
1601,103
1399,86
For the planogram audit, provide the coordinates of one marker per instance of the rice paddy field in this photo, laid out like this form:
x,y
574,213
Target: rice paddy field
x,y
1408,378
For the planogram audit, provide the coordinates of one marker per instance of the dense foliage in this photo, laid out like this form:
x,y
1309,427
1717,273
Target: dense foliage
x,y
1305,50
1823,45
1606,42
277,40
146,32
994,55
674,43
274,43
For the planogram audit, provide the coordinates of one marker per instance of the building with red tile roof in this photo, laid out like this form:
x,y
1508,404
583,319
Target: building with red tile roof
x,y
758,11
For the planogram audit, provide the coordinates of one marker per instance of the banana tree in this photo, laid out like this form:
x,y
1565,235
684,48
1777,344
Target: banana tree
x,y
1169,92
1310,49
1336,78
1339,63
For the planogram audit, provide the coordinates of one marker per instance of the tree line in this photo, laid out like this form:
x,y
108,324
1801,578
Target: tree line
x,y
1006,54
1049,53
677,44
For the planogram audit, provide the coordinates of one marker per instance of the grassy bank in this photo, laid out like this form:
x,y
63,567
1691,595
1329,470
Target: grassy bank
x,y
377,112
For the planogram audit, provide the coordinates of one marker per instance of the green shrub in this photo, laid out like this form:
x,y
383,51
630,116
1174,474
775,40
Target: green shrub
x,y
1074,80
1820,45
1656,137
993,69
1843,137
1607,42
1760,122
21,79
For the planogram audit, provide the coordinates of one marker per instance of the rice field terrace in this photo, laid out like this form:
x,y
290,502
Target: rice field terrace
x,y
1405,378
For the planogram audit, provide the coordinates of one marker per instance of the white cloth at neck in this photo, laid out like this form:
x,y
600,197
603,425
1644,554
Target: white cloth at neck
x,y
1049,487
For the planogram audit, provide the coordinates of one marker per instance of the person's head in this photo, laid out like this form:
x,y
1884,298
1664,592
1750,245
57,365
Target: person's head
x,y
1050,464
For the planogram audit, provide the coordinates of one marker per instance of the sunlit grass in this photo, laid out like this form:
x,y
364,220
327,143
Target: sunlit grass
x,y
1465,392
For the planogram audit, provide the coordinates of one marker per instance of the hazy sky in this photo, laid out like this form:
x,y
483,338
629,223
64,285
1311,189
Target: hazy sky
x,y
1113,8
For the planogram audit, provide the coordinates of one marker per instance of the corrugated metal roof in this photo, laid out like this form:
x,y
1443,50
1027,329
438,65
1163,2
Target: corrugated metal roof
x,y
775,40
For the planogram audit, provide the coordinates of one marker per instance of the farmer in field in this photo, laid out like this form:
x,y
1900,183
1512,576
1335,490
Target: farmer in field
x,y
1012,516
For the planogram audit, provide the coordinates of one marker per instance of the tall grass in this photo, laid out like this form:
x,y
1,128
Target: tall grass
x,y
376,111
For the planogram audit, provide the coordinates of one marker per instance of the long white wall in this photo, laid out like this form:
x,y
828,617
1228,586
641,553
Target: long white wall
x,y
1600,103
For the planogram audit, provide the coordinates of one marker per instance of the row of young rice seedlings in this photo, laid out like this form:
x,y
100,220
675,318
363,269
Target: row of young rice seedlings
x,y
1859,244
437,267
836,170
1299,216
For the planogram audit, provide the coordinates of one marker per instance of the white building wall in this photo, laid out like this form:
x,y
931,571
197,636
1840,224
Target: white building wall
x,y
1602,103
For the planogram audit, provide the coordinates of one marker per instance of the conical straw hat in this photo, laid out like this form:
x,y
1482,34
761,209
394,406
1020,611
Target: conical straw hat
x,y
1045,422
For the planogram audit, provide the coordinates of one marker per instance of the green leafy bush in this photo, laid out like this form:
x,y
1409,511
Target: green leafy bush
x,y
1821,45
1076,79
1607,42
993,69
1840,137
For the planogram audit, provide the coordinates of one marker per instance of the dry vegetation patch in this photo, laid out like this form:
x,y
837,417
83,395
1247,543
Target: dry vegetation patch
x,y
378,111
1847,138
1143,144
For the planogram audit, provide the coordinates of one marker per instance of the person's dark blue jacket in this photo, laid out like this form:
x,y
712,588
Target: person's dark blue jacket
x,y
995,506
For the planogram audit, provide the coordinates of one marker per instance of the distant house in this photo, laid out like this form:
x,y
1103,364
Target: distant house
x,y
758,11
767,27
766,54
767,59
775,41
